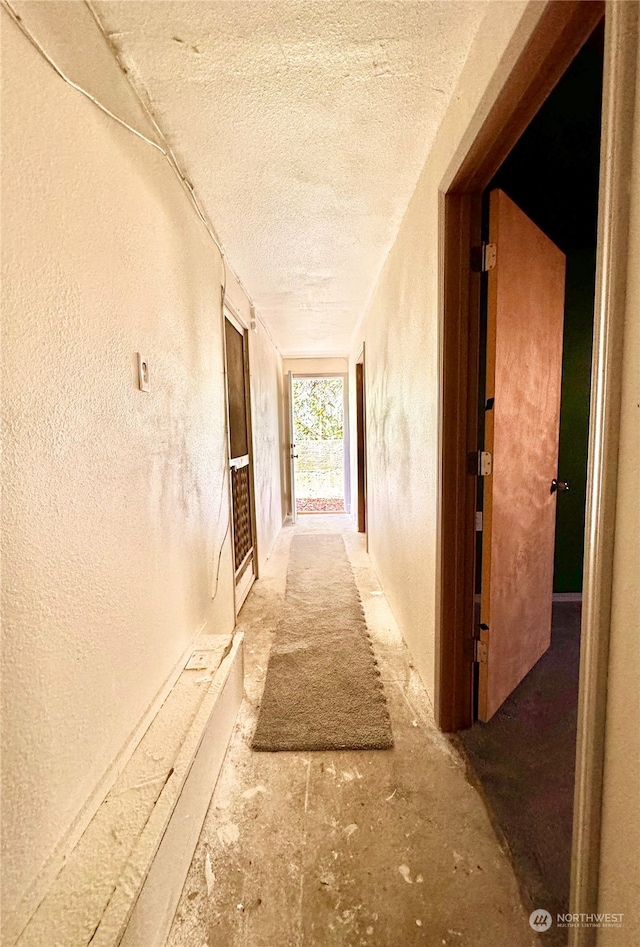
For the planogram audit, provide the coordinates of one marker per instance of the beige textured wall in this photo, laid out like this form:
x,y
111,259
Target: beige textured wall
x,y
400,329
270,439
312,366
114,505
620,854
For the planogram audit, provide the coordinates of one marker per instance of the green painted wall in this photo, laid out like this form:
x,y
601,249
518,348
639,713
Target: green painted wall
x,y
574,419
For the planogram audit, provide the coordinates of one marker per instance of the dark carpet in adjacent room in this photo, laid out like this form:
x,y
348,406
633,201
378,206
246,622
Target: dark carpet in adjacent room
x,y
323,688
524,760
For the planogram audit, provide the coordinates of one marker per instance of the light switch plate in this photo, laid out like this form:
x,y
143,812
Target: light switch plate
x,y
143,373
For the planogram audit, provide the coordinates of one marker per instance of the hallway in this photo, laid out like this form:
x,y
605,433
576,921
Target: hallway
x,y
201,202
376,848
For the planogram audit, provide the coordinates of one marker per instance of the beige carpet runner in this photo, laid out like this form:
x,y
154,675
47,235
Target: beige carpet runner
x,y
323,689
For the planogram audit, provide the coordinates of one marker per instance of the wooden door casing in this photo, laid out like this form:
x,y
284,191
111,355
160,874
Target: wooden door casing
x,y
292,452
361,448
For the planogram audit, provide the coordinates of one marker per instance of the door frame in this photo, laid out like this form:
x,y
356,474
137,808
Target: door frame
x,y
361,442
557,31
231,314
346,465
292,456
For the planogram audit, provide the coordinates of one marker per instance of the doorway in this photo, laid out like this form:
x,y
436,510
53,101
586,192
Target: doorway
x,y
240,457
536,333
318,456
561,31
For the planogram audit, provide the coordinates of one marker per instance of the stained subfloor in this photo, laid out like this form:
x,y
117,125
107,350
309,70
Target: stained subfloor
x,y
386,848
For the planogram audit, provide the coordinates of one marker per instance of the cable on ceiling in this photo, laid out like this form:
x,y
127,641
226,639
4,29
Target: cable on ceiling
x,y
164,149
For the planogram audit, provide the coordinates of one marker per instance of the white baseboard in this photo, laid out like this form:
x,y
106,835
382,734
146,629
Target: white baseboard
x,y
15,922
151,917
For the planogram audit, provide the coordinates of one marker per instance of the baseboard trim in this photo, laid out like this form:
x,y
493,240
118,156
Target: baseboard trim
x,y
15,922
147,919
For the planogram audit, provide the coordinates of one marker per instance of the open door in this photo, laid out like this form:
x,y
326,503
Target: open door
x,y
292,455
525,317
240,459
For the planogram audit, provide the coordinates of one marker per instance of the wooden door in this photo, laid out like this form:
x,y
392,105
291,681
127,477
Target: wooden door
x,y
240,459
525,316
292,452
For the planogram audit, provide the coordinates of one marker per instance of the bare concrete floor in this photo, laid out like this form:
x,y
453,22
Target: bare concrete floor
x,y
378,848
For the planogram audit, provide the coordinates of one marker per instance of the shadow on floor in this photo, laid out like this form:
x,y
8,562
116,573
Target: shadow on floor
x,y
524,761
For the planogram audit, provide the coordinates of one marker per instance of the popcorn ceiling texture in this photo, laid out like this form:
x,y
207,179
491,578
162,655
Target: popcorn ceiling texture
x,y
304,127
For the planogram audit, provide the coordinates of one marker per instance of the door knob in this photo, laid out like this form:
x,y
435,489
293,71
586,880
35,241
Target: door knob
x,y
561,486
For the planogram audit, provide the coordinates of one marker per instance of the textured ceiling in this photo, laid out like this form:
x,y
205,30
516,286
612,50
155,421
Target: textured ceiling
x,y
303,125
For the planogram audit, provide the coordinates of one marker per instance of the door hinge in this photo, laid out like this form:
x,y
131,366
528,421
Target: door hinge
x,y
478,521
480,651
485,463
480,647
483,258
479,463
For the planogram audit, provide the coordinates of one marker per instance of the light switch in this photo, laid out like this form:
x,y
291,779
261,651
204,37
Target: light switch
x,y
143,373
